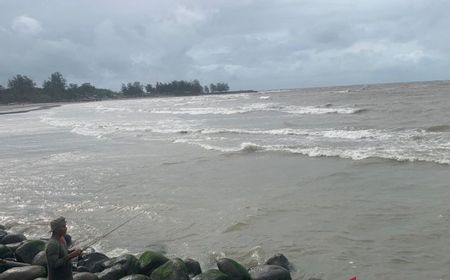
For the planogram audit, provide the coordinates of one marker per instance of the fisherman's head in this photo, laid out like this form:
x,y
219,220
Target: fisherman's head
x,y
58,226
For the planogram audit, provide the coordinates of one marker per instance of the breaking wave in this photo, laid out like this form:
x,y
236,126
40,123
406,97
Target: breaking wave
x,y
256,107
399,154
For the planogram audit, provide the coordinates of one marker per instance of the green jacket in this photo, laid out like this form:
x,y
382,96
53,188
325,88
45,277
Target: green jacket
x,y
59,266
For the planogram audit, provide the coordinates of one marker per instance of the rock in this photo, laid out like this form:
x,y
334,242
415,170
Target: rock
x,y
3,233
26,252
136,277
212,274
14,246
129,264
150,260
94,262
233,269
12,238
2,227
5,252
193,267
113,273
40,259
30,272
270,272
281,260
174,269
82,269
85,276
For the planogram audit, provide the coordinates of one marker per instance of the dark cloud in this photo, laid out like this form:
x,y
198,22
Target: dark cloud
x,y
248,43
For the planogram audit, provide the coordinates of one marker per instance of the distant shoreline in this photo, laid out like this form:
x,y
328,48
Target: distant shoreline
x,y
25,108
6,109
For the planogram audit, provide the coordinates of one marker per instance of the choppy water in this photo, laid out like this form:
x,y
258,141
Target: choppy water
x,y
344,181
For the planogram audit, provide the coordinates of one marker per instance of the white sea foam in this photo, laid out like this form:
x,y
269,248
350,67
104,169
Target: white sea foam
x,y
255,107
400,153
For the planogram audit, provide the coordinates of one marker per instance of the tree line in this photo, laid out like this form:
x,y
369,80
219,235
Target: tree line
x,y
22,89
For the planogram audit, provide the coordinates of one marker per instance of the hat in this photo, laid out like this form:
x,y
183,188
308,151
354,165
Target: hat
x,y
56,223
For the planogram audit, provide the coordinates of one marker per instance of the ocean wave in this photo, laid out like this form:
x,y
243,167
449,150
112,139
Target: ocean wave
x,y
397,154
439,128
258,107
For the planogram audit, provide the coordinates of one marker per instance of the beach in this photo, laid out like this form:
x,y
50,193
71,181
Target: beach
x,y
343,181
24,108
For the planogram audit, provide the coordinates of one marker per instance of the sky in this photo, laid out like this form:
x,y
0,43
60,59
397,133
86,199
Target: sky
x,y
249,44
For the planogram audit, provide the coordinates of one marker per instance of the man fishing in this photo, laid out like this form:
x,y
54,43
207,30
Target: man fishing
x,y
59,258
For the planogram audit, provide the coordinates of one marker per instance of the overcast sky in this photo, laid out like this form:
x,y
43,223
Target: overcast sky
x,y
250,44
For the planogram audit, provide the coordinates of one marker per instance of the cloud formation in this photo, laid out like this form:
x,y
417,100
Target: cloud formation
x,y
248,43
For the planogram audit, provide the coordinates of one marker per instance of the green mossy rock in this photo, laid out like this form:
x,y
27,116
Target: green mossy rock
x,y
150,260
135,277
2,227
174,269
26,252
212,274
270,272
233,269
24,273
129,264
85,276
5,252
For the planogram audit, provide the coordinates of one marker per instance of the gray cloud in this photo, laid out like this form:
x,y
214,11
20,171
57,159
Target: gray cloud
x,y
247,43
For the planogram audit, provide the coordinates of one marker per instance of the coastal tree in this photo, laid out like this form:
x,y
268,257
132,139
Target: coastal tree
x,y
219,87
21,87
133,89
55,87
149,88
206,90
212,88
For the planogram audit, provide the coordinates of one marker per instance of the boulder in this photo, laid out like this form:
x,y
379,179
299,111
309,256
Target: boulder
x,y
112,273
212,274
129,264
93,261
2,227
174,269
281,260
193,267
233,269
30,272
40,259
26,252
150,260
12,238
5,252
270,272
136,277
14,246
85,276
3,233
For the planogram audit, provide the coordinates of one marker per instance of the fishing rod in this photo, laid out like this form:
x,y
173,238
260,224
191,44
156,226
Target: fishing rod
x,y
109,232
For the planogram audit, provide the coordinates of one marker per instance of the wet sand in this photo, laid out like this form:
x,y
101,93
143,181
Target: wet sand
x,y
24,108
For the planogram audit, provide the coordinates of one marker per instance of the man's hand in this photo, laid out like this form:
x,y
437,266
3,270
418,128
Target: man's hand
x,y
75,253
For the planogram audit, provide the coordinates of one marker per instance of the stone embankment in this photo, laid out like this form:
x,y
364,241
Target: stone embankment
x,y
23,259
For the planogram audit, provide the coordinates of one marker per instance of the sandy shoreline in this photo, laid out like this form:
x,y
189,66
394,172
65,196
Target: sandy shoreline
x,y
24,108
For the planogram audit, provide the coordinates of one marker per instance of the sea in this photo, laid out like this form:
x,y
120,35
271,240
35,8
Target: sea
x,y
344,181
